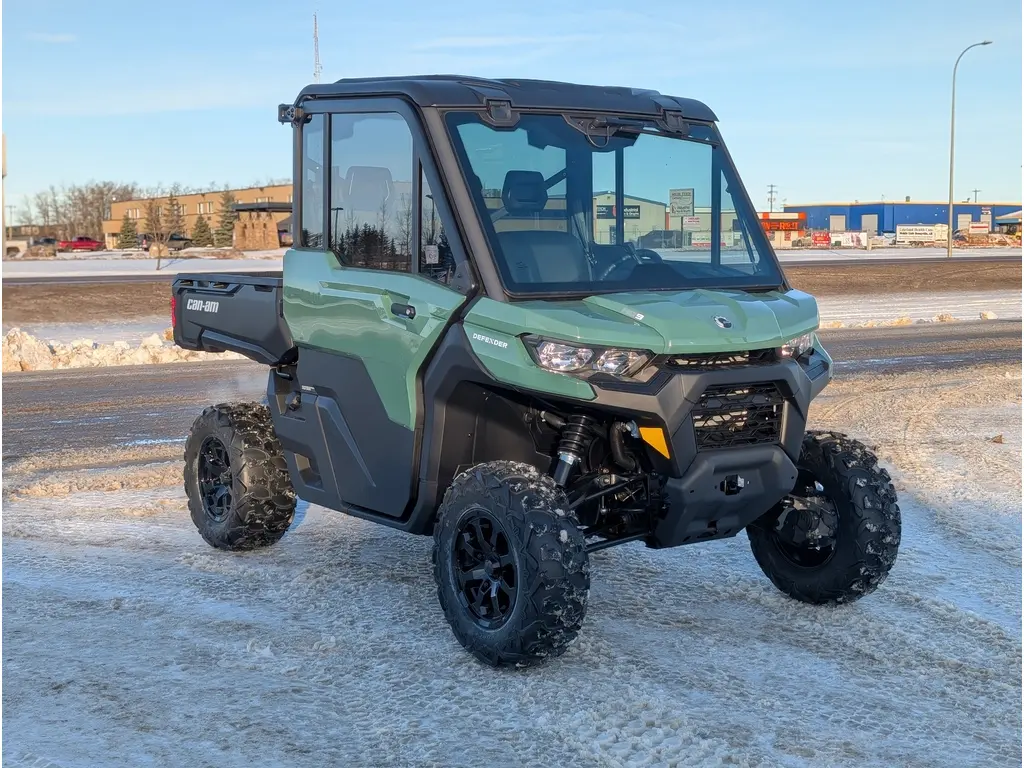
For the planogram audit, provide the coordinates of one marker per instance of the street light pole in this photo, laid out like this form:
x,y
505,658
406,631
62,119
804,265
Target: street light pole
x,y
952,129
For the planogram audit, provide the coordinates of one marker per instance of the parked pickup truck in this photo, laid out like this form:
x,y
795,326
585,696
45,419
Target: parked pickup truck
x,y
80,244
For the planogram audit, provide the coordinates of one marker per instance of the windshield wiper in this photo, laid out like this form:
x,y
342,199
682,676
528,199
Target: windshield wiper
x,y
599,130
604,127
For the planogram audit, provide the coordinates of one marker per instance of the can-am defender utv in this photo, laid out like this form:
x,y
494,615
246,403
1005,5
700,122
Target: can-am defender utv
x,y
534,320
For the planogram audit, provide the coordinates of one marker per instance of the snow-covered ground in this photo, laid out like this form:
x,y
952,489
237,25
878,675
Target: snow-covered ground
x,y
186,253
105,263
848,310
856,254
106,267
128,641
853,310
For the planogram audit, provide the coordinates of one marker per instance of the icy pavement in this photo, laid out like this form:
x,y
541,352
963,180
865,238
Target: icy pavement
x,y
128,641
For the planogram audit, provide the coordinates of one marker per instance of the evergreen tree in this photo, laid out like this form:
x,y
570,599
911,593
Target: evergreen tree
x,y
174,220
224,235
202,235
128,237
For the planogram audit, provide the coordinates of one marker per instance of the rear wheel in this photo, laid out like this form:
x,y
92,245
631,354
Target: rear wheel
x,y
510,564
836,536
239,493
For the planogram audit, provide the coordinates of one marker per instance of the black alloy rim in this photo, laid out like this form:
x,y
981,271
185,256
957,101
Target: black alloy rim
x,y
215,479
806,529
485,569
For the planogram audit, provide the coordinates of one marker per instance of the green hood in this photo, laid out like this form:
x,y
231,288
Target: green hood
x,y
662,322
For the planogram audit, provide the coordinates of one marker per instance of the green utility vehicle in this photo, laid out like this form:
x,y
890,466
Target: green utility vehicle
x,y
533,320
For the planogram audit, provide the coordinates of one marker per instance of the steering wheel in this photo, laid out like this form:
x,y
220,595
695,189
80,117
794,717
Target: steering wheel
x,y
632,254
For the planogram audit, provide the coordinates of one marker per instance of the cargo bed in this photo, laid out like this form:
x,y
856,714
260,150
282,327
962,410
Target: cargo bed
x,y
232,312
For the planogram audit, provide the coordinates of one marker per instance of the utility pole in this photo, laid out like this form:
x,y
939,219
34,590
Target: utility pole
x,y
975,191
317,69
10,221
772,193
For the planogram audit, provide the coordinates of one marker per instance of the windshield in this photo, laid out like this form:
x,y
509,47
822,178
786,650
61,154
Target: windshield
x,y
585,205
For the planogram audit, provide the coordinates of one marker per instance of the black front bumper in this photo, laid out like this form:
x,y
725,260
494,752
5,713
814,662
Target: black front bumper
x,y
713,491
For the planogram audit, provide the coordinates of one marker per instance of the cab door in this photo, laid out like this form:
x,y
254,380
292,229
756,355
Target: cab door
x,y
362,312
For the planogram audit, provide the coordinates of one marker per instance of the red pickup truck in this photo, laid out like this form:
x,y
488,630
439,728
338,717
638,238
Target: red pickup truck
x,y
80,244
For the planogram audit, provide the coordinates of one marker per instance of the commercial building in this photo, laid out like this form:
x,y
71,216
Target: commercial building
x,y
639,216
885,216
207,204
1009,222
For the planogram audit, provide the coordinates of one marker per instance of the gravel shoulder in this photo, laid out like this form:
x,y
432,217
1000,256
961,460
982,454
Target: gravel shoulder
x,y
128,641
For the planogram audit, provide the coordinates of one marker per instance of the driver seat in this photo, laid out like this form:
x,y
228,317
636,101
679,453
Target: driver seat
x,y
537,255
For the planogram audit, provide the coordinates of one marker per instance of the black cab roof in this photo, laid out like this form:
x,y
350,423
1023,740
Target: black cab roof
x,y
473,92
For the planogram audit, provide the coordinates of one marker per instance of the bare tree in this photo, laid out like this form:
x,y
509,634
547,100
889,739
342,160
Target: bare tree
x,y
153,227
79,209
24,214
44,208
403,234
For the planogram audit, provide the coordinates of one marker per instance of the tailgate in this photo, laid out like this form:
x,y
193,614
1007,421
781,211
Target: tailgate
x,y
231,312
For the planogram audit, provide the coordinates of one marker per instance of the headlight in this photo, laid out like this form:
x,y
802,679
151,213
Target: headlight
x,y
797,347
570,358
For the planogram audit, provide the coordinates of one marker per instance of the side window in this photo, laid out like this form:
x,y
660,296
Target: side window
x,y
313,183
436,259
370,222
736,246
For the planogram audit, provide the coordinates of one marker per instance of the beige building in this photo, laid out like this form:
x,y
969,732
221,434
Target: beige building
x,y
639,215
192,206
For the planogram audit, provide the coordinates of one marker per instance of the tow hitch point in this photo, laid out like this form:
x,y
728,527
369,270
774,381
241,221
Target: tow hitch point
x,y
732,485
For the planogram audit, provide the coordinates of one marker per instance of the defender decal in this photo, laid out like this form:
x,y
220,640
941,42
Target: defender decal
x,y
489,340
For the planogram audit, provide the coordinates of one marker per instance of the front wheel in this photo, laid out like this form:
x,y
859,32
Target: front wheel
x,y
835,538
511,564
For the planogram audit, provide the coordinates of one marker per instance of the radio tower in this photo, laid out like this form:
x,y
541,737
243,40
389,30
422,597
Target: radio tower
x,y
317,69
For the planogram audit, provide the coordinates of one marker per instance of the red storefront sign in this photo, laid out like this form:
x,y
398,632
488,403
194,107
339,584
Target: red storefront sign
x,y
781,225
821,238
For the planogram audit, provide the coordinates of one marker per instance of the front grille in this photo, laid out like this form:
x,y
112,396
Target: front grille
x,y
732,416
715,361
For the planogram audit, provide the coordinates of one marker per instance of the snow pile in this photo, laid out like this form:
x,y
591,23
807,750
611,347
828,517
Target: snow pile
x,y
903,320
24,352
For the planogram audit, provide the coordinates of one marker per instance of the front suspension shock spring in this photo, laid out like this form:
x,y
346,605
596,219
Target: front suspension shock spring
x,y
575,438
576,434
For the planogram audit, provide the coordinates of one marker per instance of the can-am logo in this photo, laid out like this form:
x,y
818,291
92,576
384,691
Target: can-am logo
x,y
202,306
489,340
723,322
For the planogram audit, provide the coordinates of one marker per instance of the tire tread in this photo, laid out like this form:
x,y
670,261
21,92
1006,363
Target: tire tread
x,y
554,573
263,510
869,498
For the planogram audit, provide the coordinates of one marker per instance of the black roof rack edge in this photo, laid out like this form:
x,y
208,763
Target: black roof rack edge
x,y
472,92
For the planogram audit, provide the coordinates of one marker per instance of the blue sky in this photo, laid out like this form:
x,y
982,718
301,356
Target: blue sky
x,y
828,101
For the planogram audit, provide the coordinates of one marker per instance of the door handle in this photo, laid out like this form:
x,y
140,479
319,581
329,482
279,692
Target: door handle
x,y
404,310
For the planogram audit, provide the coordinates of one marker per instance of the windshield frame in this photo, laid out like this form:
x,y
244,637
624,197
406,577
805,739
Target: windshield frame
x,y
758,239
